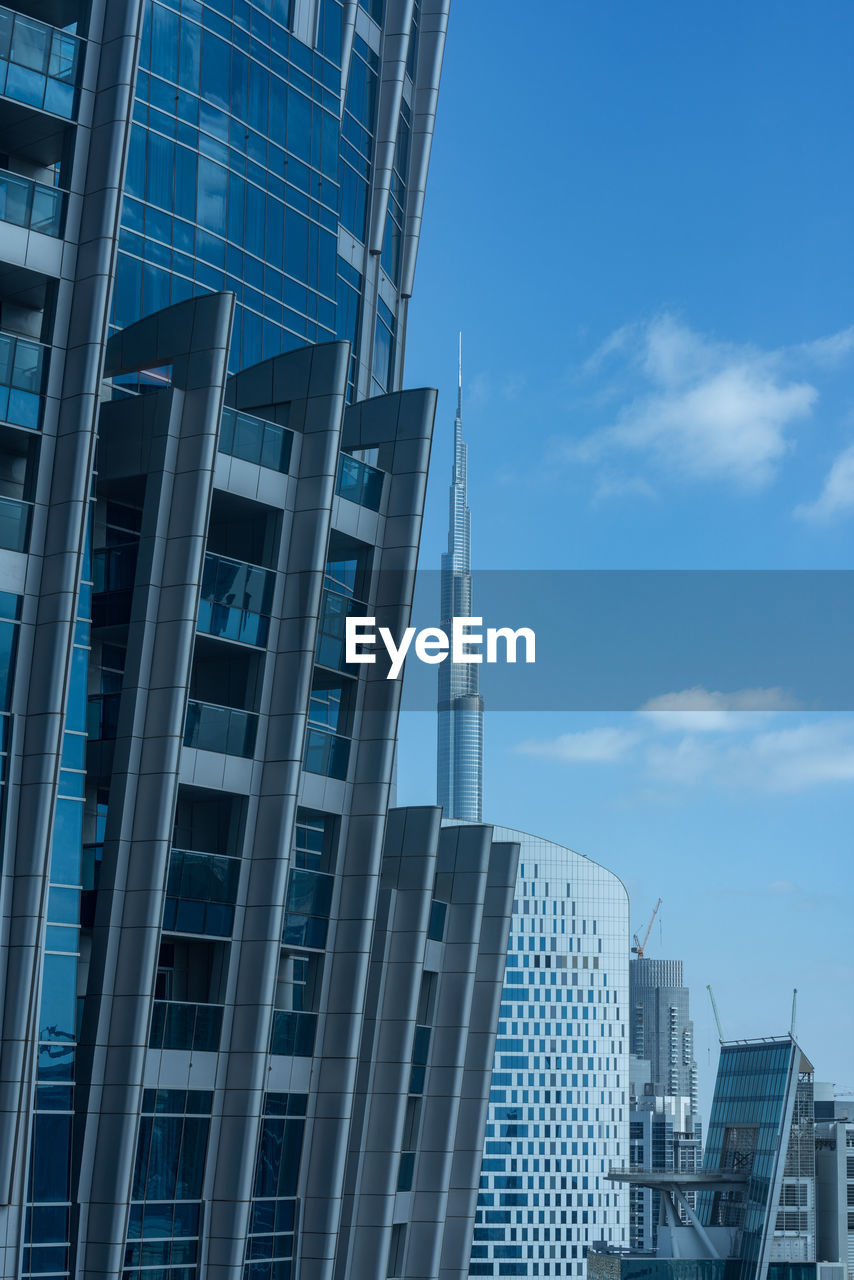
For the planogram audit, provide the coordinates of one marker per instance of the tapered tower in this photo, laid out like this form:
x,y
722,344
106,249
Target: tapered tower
x,y
460,745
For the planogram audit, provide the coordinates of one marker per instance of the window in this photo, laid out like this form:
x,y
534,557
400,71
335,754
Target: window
x,y
397,1249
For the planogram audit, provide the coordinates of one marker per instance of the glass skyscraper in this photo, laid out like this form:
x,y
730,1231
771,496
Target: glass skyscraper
x,y
762,1125
203,1071
559,1103
460,741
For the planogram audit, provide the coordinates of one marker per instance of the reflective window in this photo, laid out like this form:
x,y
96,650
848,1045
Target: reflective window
x,y
266,444
383,362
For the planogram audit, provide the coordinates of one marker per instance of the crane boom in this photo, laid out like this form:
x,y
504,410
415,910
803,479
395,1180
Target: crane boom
x,y
717,1015
637,949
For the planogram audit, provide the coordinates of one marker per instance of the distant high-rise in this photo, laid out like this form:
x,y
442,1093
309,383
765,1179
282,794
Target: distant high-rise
x,y
558,1109
661,1029
665,1128
460,746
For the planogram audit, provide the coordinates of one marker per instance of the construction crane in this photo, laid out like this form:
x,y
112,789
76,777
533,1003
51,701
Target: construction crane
x,y
637,949
717,1015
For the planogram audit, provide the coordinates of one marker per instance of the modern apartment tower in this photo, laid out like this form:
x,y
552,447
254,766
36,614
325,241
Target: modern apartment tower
x,y
460,741
665,1127
559,1104
217,971
661,1028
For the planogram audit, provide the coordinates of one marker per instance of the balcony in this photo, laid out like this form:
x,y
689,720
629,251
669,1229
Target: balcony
x,y
307,908
265,444
114,571
227,730
102,716
177,1025
38,64
326,753
201,892
32,205
331,636
359,482
236,600
293,1033
22,373
14,524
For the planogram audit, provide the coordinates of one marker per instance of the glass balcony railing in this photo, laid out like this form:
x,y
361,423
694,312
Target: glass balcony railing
x,y
22,374
102,716
114,570
265,443
228,730
326,753
14,524
331,635
236,600
293,1033
201,891
30,204
176,1025
38,63
359,482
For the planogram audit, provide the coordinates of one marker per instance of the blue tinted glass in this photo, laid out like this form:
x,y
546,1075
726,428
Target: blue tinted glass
x,y
49,1168
67,836
58,1009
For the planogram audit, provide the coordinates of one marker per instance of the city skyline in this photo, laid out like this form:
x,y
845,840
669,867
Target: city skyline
x,y
680,252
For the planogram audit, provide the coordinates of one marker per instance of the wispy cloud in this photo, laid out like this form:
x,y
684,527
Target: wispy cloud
x,y
700,710
837,494
619,486
695,407
591,746
720,745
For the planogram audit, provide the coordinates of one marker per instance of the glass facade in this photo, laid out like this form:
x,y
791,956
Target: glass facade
x,y
748,1132
156,864
243,167
558,1107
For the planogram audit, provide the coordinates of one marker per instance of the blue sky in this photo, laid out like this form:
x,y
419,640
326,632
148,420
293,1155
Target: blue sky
x,y
641,218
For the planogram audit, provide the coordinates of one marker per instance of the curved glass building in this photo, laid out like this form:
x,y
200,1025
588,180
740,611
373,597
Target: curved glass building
x,y
559,1102
209,218
279,151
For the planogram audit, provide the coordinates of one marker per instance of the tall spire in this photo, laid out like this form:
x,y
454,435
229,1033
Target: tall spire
x,y
460,747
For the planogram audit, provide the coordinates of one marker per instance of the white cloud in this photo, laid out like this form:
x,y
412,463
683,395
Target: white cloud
x,y
704,409
719,746
591,746
827,352
700,710
782,760
837,495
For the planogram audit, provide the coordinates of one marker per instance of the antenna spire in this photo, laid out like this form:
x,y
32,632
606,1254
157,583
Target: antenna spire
x,y
460,381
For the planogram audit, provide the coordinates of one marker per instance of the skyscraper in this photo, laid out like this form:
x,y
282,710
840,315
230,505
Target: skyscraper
x,y
460,741
665,1127
194,789
661,1028
559,1105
